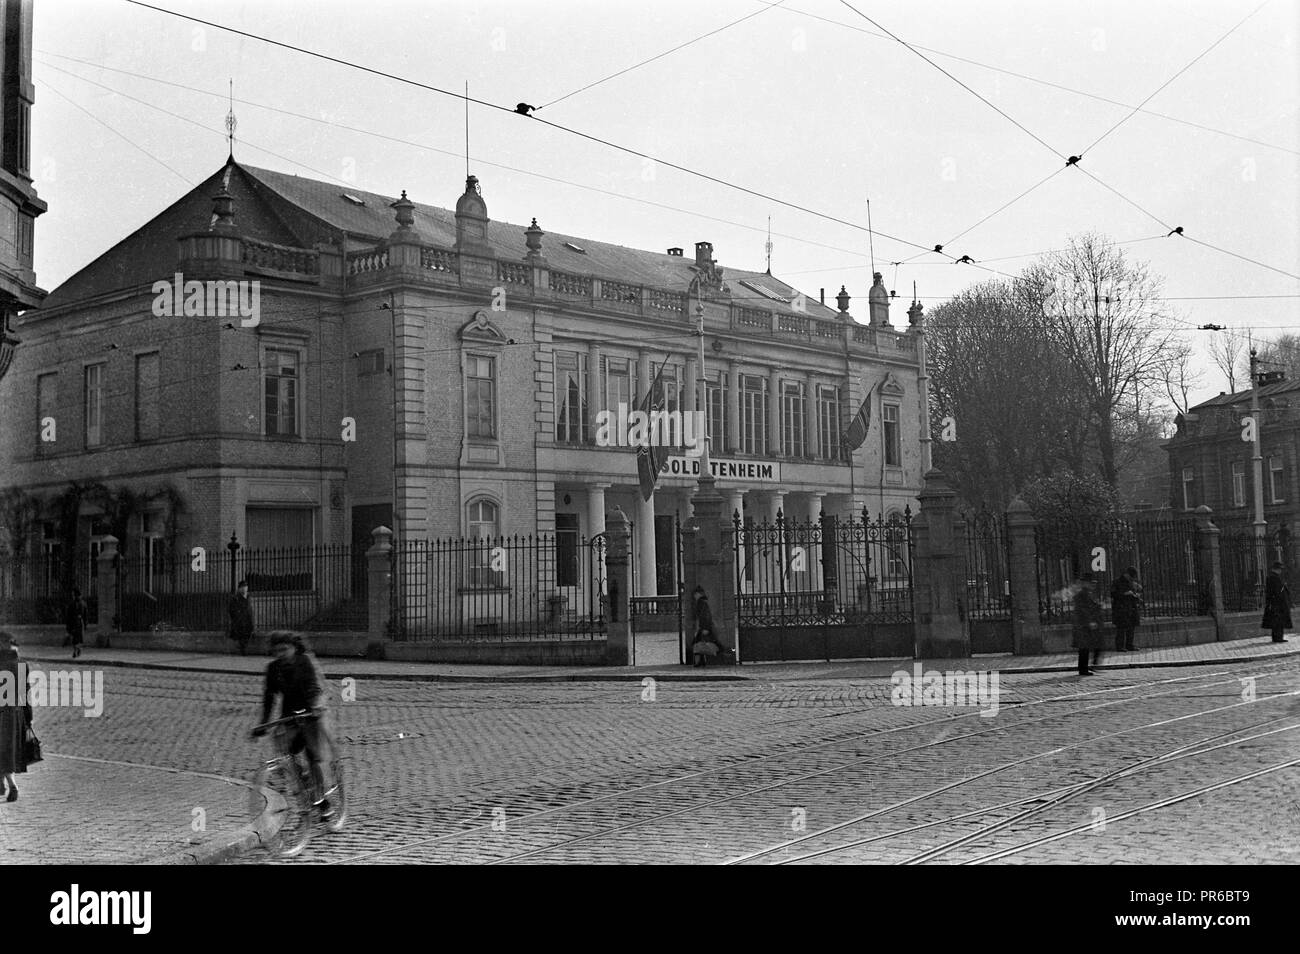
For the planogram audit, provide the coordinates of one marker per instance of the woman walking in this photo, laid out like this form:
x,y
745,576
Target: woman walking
x,y
15,718
1088,634
1277,604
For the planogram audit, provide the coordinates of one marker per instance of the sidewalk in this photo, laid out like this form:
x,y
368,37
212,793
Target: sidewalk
x,y
73,810
1241,650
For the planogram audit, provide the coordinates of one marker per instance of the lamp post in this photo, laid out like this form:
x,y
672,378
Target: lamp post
x,y
1257,466
233,547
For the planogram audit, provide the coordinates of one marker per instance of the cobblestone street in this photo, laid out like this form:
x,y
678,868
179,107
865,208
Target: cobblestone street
x,y
639,772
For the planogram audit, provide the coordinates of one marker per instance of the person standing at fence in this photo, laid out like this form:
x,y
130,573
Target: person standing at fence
x,y
1277,604
1088,633
1125,608
241,617
705,643
74,621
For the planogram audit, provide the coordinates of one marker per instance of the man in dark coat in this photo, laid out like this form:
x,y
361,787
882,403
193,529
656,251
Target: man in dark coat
x,y
1125,608
1088,633
74,621
705,643
15,720
241,617
1277,604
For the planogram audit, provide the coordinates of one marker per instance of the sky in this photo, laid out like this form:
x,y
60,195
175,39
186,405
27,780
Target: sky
x,y
938,113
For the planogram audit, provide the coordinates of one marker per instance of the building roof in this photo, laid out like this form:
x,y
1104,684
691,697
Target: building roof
x,y
1240,397
292,210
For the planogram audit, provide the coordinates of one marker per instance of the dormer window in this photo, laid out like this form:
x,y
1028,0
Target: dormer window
x,y
349,197
575,248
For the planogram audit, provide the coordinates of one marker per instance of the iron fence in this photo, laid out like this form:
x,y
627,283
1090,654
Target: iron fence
x,y
792,573
1166,554
499,588
988,565
307,588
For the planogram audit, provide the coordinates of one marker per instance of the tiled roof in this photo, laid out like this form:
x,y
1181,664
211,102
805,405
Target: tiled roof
x,y
292,210
1243,397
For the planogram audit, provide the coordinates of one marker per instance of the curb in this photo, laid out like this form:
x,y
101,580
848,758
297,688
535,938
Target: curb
x,y
659,676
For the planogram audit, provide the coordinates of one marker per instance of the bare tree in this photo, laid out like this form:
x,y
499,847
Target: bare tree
x,y
1105,314
1226,352
1280,354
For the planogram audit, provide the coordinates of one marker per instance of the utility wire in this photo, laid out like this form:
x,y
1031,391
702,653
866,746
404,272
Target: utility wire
x,y
130,142
986,102
1004,207
566,129
659,56
1192,63
1042,82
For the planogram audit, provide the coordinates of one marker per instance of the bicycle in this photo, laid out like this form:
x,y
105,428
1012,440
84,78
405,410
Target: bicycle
x,y
285,774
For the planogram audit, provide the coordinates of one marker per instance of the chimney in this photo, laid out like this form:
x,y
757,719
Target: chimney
x,y
822,295
703,254
675,252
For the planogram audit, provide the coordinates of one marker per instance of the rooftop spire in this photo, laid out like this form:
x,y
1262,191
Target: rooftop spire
x,y
230,121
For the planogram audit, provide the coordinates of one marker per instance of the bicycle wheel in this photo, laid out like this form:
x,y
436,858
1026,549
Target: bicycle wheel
x,y
338,796
291,818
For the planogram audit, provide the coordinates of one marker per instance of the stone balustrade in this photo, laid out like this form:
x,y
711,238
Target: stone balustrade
x,y
281,258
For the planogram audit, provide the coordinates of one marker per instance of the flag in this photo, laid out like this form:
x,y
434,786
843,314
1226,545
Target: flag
x,y
857,432
650,458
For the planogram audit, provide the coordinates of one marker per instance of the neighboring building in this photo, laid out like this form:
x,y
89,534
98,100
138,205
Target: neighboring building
x,y
19,205
500,344
1144,477
1210,464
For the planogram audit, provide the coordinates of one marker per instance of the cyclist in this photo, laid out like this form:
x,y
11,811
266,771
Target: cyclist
x,y
295,676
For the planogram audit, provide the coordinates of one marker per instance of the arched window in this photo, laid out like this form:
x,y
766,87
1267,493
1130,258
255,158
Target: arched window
x,y
484,527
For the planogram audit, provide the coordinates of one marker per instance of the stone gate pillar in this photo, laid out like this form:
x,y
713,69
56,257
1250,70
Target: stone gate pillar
x,y
106,590
1209,571
709,555
379,568
1026,623
618,568
937,574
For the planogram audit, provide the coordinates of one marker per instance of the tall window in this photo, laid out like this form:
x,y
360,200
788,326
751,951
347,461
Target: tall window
x,y
151,545
483,529
278,527
753,414
792,419
893,447
618,383
828,420
1276,488
280,386
566,549
570,407
1188,476
717,406
146,396
47,403
94,393
1238,483
481,396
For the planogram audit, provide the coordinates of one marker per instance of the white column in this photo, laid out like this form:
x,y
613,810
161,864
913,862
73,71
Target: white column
x,y
812,437
731,440
644,584
595,393
815,552
596,519
736,505
774,413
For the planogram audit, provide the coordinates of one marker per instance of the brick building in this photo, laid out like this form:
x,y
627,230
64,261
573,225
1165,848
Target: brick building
x,y
19,205
1210,464
434,371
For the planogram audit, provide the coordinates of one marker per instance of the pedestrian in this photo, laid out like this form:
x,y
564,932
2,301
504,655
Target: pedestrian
x,y
1125,608
1277,604
1088,634
74,620
241,617
705,643
15,719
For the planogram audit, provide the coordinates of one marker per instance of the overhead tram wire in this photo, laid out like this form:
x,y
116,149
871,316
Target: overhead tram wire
x,y
986,102
1042,82
659,56
1157,90
130,142
1073,160
423,146
590,137
1005,206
